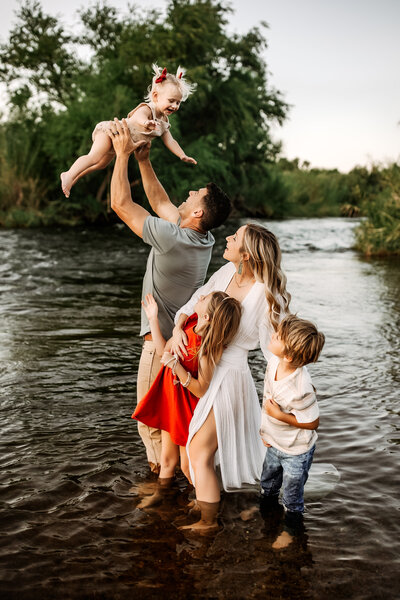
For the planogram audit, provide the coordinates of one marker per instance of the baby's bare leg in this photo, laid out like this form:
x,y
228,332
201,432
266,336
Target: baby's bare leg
x,y
107,158
100,147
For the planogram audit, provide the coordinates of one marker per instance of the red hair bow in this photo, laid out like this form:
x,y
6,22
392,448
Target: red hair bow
x,y
162,76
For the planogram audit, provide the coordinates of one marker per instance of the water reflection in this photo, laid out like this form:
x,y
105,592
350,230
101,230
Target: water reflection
x,y
73,467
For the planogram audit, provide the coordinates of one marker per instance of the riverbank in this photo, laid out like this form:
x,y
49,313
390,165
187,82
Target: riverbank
x,y
293,190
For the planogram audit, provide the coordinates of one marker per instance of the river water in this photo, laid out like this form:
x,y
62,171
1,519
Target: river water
x,y
73,467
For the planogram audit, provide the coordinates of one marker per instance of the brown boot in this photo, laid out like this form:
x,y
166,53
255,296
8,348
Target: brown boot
x,y
208,521
154,468
162,490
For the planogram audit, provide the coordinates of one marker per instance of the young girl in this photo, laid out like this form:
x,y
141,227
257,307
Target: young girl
x,y
148,120
171,400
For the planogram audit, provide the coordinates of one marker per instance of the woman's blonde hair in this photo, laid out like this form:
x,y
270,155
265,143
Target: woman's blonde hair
x,y
224,318
179,80
265,258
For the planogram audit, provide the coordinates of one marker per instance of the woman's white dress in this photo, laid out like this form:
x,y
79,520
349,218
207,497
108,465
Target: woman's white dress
x,y
232,393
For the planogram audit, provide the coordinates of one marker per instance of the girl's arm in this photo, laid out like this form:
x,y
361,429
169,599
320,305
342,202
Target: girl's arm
x,y
273,410
199,386
151,310
175,148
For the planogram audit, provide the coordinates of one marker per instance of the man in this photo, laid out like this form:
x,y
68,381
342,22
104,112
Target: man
x,y
181,246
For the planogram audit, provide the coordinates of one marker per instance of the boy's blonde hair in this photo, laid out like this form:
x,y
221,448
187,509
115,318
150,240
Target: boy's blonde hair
x,y
303,342
178,80
224,318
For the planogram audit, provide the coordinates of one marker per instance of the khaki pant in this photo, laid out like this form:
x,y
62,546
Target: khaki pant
x,y
149,365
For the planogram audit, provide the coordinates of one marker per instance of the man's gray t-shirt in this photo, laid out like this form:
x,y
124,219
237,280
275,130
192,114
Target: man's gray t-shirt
x,y
176,267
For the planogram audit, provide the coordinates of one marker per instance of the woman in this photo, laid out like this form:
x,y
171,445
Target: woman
x,y
227,418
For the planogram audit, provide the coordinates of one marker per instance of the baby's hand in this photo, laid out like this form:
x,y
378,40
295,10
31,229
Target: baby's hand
x,y
188,159
151,308
151,125
168,359
272,408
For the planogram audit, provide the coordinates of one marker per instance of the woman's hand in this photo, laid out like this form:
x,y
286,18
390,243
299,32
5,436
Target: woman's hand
x,y
179,342
150,308
189,159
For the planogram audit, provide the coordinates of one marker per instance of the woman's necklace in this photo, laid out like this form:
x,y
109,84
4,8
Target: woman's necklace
x,y
243,284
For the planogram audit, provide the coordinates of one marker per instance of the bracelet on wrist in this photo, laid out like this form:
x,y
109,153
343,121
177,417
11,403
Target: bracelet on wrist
x,y
175,379
188,380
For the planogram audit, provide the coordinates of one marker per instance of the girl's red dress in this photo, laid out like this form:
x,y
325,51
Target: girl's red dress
x,y
167,406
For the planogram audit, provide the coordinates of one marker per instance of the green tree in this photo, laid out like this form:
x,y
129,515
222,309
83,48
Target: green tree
x,y
55,99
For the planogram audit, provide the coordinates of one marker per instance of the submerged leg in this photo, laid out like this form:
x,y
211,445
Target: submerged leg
x,y
163,488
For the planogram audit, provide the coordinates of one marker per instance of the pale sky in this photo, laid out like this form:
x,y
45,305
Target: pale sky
x,y
336,62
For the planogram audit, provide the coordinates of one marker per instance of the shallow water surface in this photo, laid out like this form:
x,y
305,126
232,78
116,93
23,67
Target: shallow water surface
x,y
73,466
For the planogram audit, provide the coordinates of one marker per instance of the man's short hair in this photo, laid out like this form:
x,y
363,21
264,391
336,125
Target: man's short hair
x,y
216,206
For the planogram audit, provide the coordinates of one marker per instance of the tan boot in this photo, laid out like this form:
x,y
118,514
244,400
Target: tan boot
x,y
162,490
193,508
208,521
154,468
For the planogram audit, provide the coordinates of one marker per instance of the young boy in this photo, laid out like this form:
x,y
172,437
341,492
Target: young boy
x,y
290,414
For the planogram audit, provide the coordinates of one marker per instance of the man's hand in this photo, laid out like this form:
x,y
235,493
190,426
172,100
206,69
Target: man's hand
x,y
179,342
143,152
273,409
121,139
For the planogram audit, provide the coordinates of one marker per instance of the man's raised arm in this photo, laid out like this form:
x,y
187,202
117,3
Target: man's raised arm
x,y
156,195
128,211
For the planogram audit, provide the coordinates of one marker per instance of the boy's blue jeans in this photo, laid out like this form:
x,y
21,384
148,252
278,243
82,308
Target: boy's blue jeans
x,y
291,472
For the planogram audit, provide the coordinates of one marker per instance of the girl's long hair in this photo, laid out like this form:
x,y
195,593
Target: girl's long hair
x,y
224,318
265,257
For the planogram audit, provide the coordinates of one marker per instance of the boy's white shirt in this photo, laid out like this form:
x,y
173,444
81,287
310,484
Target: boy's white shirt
x,y
295,394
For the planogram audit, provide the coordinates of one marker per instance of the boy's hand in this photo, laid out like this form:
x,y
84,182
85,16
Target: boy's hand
x,y
189,159
273,409
150,307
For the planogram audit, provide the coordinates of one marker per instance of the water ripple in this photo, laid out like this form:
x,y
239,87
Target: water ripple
x,y
73,467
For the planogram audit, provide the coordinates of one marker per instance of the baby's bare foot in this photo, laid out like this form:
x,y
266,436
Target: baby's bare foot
x,y
66,184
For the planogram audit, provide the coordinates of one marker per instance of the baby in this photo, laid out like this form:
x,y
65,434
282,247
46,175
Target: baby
x,y
148,120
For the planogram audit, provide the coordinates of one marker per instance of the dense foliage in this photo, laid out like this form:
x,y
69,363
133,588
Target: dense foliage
x,y
60,85
379,233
